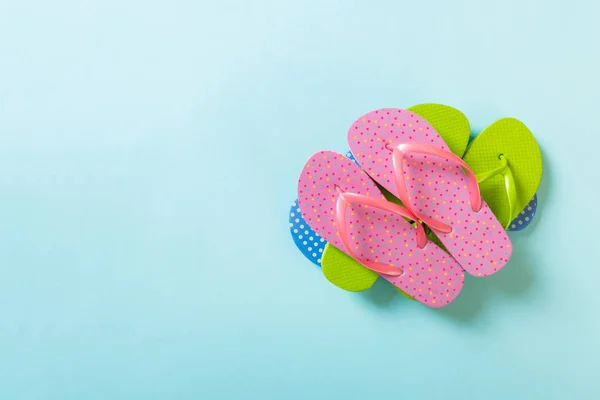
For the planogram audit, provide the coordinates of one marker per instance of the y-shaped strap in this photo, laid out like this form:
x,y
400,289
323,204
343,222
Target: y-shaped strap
x,y
345,198
398,154
509,184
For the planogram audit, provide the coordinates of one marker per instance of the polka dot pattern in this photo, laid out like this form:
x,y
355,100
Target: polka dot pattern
x,y
313,247
430,275
521,222
437,187
525,217
309,242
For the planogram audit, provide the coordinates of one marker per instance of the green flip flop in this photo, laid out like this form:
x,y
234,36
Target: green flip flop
x,y
341,269
507,161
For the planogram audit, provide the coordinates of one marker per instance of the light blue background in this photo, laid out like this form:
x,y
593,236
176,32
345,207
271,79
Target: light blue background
x,y
149,152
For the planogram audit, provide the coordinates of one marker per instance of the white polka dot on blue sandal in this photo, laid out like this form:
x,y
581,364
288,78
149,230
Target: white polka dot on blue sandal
x,y
308,241
525,217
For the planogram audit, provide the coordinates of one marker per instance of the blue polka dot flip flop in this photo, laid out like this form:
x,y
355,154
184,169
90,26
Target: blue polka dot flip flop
x,y
525,217
308,241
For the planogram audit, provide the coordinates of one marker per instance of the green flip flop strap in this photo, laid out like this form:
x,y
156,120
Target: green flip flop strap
x,y
509,184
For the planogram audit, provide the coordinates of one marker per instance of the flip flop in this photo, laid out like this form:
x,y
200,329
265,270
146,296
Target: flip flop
x,y
310,244
403,153
347,209
508,163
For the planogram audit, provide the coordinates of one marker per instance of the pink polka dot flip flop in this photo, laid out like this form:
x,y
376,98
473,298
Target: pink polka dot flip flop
x,y
404,154
345,207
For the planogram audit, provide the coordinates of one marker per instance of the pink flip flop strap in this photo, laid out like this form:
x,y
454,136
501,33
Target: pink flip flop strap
x,y
346,198
398,154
